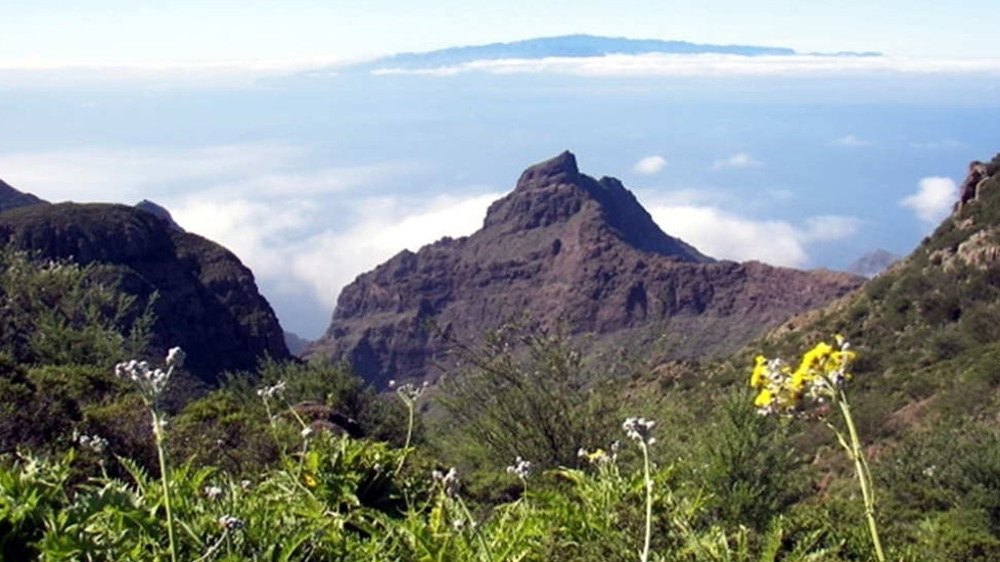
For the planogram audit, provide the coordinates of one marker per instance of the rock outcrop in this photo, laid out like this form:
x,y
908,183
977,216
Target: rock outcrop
x,y
570,251
207,301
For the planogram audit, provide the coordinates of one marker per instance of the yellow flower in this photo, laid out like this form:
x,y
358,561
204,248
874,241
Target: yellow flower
x,y
309,480
763,399
757,377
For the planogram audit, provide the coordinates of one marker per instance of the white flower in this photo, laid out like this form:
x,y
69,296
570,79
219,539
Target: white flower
x,y
270,391
151,382
212,492
306,432
95,443
521,468
639,430
449,481
175,357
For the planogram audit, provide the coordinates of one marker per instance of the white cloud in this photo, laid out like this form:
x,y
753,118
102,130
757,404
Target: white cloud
x,y
385,226
650,165
722,234
851,141
933,200
659,64
738,160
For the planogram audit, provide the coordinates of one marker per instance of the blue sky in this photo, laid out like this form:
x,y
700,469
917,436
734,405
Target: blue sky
x,y
125,30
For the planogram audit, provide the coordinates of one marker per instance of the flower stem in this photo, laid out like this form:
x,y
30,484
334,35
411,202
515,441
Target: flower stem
x,y
164,480
644,556
864,475
411,406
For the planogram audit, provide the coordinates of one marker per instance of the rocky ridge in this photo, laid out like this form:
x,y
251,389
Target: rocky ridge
x,y
570,251
207,300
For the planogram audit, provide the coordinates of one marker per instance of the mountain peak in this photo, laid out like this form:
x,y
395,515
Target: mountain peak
x,y
554,193
561,169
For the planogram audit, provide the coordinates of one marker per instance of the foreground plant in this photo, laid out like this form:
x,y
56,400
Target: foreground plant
x,y
409,393
639,430
819,378
151,383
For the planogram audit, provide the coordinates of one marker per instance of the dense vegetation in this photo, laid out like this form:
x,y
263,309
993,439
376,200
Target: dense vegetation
x,y
297,461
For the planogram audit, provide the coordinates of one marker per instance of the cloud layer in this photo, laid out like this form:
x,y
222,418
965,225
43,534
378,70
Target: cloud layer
x,y
724,234
658,64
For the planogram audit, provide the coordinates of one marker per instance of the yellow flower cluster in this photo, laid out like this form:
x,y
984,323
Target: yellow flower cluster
x,y
820,375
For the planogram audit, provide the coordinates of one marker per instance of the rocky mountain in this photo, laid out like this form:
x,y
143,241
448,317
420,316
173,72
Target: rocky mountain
x,y
872,263
571,251
207,301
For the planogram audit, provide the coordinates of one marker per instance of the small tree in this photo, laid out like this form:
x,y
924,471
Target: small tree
x,y
530,394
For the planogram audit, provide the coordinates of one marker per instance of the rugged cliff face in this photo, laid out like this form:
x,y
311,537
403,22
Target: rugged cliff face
x,y
567,250
207,303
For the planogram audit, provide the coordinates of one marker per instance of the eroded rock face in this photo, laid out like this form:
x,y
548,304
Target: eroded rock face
x,y
208,302
571,251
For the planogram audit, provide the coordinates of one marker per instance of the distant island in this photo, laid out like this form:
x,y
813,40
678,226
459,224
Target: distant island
x,y
576,46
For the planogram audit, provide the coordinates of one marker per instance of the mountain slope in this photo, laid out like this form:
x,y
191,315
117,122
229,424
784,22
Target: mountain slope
x,y
207,303
926,330
11,198
570,251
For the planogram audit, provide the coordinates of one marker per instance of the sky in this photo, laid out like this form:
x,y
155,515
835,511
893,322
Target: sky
x,y
228,114
102,31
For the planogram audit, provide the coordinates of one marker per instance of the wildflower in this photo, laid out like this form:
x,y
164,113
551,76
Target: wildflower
x,y
306,432
151,382
212,492
521,468
245,484
95,443
818,378
269,392
409,392
175,357
231,523
309,480
449,481
639,429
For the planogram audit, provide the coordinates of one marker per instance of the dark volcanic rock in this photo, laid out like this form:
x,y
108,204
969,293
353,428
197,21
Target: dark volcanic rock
x,y
208,302
570,251
11,198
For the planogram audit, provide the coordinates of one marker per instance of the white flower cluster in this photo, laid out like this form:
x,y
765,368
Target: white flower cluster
x,y
521,468
409,392
95,443
151,382
448,480
231,523
639,429
269,392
